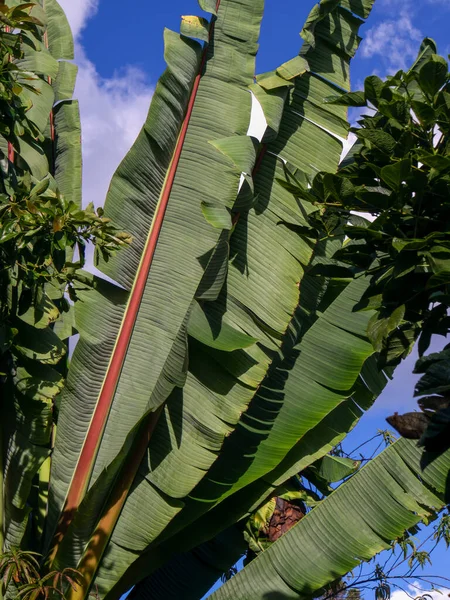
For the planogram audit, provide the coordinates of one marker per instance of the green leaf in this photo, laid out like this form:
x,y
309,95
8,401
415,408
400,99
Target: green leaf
x,y
311,447
65,326
240,150
424,112
293,68
439,279
394,175
435,161
23,461
41,101
64,84
60,40
361,8
380,328
209,6
399,344
34,156
272,104
39,61
394,480
22,467
38,382
42,345
433,74
436,369
67,154
373,88
336,468
272,81
217,215
379,139
349,99
195,27
42,313
216,271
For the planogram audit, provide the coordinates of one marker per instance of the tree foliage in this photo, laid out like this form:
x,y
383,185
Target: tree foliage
x,y
41,228
399,172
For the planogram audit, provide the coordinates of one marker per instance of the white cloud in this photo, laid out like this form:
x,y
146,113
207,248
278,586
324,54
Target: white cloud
x,y
395,41
112,114
416,590
113,110
78,12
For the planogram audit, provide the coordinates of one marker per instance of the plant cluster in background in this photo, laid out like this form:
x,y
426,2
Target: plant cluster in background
x,y
44,235
40,228
399,172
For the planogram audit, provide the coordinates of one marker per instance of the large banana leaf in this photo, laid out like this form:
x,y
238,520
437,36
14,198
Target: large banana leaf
x,y
336,536
270,248
184,169
391,494
319,440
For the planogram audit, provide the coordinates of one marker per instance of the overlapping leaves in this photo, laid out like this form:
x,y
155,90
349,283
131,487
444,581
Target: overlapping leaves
x,y
407,488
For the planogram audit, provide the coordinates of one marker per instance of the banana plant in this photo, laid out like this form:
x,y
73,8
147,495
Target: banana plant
x,y
232,311
211,367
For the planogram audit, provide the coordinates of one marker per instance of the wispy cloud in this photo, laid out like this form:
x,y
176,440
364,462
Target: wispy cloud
x,y
395,42
113,110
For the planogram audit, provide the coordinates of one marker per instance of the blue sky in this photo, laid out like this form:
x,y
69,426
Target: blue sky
x,y
120,54
138,41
